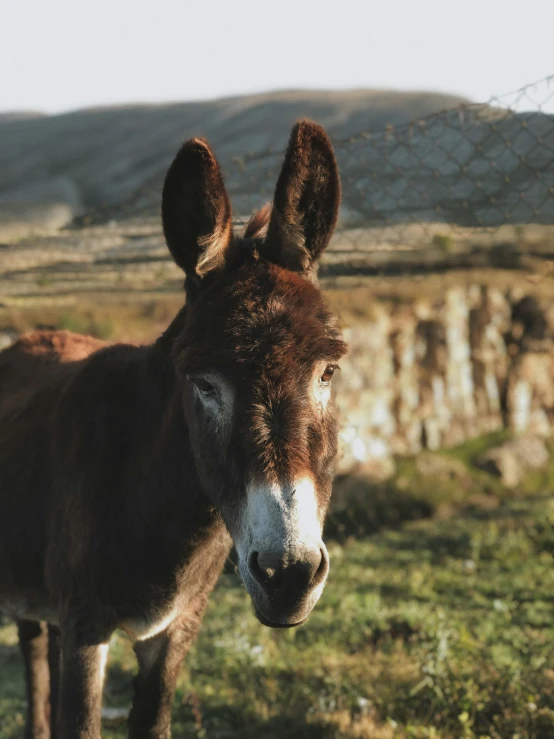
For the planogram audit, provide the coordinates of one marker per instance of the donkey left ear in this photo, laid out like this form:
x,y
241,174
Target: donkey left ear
x,y
196,211
306,202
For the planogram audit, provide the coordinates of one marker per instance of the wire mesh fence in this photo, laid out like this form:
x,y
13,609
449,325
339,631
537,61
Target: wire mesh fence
x,y
481,165
441,189
466,177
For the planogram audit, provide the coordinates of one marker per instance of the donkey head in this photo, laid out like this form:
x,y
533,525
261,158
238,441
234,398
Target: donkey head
x,y
256,356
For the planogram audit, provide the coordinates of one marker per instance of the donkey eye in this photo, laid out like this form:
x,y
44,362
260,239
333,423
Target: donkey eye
x,y
203,385
325,378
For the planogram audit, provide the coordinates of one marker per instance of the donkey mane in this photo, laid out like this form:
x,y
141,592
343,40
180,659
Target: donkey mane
x,y
257,226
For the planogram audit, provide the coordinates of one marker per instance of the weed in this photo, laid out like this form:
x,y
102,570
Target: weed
x,y
444,242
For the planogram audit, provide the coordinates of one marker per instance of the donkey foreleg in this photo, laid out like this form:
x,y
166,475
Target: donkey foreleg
x,y
33,641
84,654
159,660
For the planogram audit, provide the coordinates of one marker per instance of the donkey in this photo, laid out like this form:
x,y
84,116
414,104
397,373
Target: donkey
x,y
127,473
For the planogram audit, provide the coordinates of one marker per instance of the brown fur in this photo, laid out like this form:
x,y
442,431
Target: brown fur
x,y
117,491
256,228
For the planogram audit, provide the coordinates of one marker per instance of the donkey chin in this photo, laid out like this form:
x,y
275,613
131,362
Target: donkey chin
x,y
283,561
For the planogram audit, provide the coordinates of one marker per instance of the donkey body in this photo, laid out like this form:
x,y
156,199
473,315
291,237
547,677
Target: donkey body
x,y
127,473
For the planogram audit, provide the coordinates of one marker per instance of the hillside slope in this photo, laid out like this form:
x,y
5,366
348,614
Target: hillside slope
x,y
54,167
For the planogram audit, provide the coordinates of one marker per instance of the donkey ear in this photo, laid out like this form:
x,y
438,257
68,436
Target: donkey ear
x,y
306,201
196,211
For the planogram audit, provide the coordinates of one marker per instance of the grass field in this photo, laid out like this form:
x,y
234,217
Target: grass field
x,y
435,627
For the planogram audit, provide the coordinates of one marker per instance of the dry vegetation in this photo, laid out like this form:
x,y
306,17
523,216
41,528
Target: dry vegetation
x,y
118,282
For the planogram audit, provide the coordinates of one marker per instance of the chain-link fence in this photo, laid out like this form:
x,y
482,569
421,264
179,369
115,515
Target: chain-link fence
x,y
479,165
459,179
437,191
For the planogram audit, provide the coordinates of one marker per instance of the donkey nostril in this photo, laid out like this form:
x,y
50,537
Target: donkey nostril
x,y
254,568
263,567
323,568
260,574
270,563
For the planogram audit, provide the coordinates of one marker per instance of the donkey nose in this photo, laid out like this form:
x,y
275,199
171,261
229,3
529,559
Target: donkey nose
x,y
275,570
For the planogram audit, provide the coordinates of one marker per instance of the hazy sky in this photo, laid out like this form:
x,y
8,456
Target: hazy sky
x,y
58,55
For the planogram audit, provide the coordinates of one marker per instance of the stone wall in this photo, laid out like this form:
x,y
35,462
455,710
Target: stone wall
x,y
431,375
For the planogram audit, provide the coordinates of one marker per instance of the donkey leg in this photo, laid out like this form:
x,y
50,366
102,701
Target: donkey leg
x,y
33,641
159,660
54,657
84,655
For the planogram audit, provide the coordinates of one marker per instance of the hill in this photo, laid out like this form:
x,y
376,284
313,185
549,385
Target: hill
x,y
53,167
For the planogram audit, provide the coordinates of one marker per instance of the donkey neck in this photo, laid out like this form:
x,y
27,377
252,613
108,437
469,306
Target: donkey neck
x,y
160,455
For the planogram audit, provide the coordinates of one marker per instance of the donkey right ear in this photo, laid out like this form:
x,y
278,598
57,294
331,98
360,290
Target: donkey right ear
x,y
306,202
196,211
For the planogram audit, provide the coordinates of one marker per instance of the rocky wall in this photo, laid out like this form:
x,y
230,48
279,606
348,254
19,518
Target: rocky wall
x,y
430,375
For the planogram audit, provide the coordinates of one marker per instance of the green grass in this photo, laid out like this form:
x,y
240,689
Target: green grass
x,y
438,627
445,242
